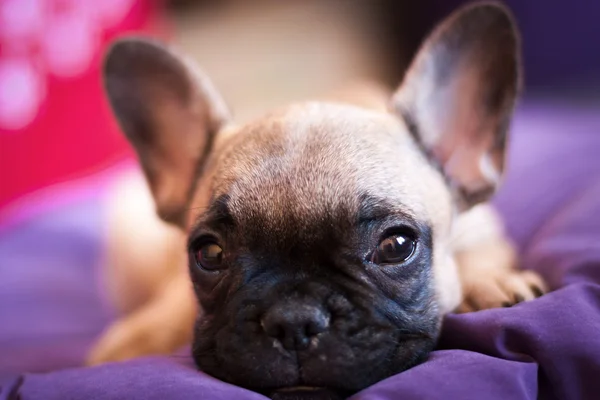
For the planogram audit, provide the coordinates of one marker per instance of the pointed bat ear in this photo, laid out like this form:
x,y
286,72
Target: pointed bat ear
x,y
170,113
458,96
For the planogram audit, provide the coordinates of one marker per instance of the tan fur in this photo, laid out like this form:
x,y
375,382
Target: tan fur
x,y
487,263
145,276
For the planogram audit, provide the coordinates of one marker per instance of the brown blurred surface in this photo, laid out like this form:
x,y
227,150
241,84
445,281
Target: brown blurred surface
x,y
266,53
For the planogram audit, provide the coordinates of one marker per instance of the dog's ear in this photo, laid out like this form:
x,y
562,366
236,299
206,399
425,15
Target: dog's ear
x,y
459,93
170,113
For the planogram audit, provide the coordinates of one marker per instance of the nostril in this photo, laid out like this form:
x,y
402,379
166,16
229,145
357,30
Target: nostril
x,y
316,326
309,331
273,330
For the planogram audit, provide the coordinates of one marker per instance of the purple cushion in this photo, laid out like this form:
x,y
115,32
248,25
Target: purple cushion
x,y
548,348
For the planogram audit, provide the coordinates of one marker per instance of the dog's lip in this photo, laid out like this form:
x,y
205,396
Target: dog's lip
x,y
300,388
306,393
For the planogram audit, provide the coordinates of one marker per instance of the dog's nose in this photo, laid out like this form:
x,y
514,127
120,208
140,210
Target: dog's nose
x,y
294,324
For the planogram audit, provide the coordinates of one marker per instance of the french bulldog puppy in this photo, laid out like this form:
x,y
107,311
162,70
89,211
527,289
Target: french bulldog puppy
x,y
319,245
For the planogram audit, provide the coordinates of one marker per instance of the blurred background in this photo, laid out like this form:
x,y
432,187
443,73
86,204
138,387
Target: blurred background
x,y
59,143
55,125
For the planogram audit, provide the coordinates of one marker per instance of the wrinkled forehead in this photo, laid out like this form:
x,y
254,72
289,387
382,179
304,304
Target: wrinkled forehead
x,y
316,159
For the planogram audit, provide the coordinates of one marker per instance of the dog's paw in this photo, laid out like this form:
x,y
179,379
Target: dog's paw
x,y
499,288
131,338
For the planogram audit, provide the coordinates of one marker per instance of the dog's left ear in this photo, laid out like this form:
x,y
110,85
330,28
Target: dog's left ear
x,y
459,94
170,112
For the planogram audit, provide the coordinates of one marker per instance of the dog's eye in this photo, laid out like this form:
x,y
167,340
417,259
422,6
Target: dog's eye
x,y
209,256
394,249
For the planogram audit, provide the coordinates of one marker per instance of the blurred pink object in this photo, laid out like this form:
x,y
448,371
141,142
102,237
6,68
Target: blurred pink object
x,y
55,124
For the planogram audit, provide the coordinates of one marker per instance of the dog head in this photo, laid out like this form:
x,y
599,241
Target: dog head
x,y
319,234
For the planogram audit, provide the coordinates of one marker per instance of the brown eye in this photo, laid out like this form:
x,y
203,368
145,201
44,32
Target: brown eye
x,y
209,256
394,249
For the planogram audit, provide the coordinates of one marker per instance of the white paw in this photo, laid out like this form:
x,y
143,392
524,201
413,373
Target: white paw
x,y
499,288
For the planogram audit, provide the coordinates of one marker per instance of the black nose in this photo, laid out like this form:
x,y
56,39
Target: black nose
x,y
295,323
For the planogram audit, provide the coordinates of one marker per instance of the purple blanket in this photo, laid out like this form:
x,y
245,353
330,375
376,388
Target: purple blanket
x,y
51,307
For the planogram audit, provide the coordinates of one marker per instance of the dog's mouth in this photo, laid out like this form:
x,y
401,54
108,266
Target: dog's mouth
x,y
307,393
328,372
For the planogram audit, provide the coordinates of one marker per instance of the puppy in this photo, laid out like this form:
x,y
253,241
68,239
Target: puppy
x,y
319,245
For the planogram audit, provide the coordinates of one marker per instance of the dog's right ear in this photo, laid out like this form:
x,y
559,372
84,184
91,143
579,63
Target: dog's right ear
x,y
170,112
459,94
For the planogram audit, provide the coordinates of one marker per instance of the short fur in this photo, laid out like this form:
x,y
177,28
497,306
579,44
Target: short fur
x,y
299,199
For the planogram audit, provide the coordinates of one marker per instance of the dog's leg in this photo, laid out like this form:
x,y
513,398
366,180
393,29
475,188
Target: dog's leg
x,y
145,277
487,264
141,251
161,326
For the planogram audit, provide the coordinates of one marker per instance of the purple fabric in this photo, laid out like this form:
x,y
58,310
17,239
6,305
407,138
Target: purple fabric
x,y
547,349
50,303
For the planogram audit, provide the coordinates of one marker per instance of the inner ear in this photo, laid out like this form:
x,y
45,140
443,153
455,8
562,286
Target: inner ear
x,y
459,94
170,112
